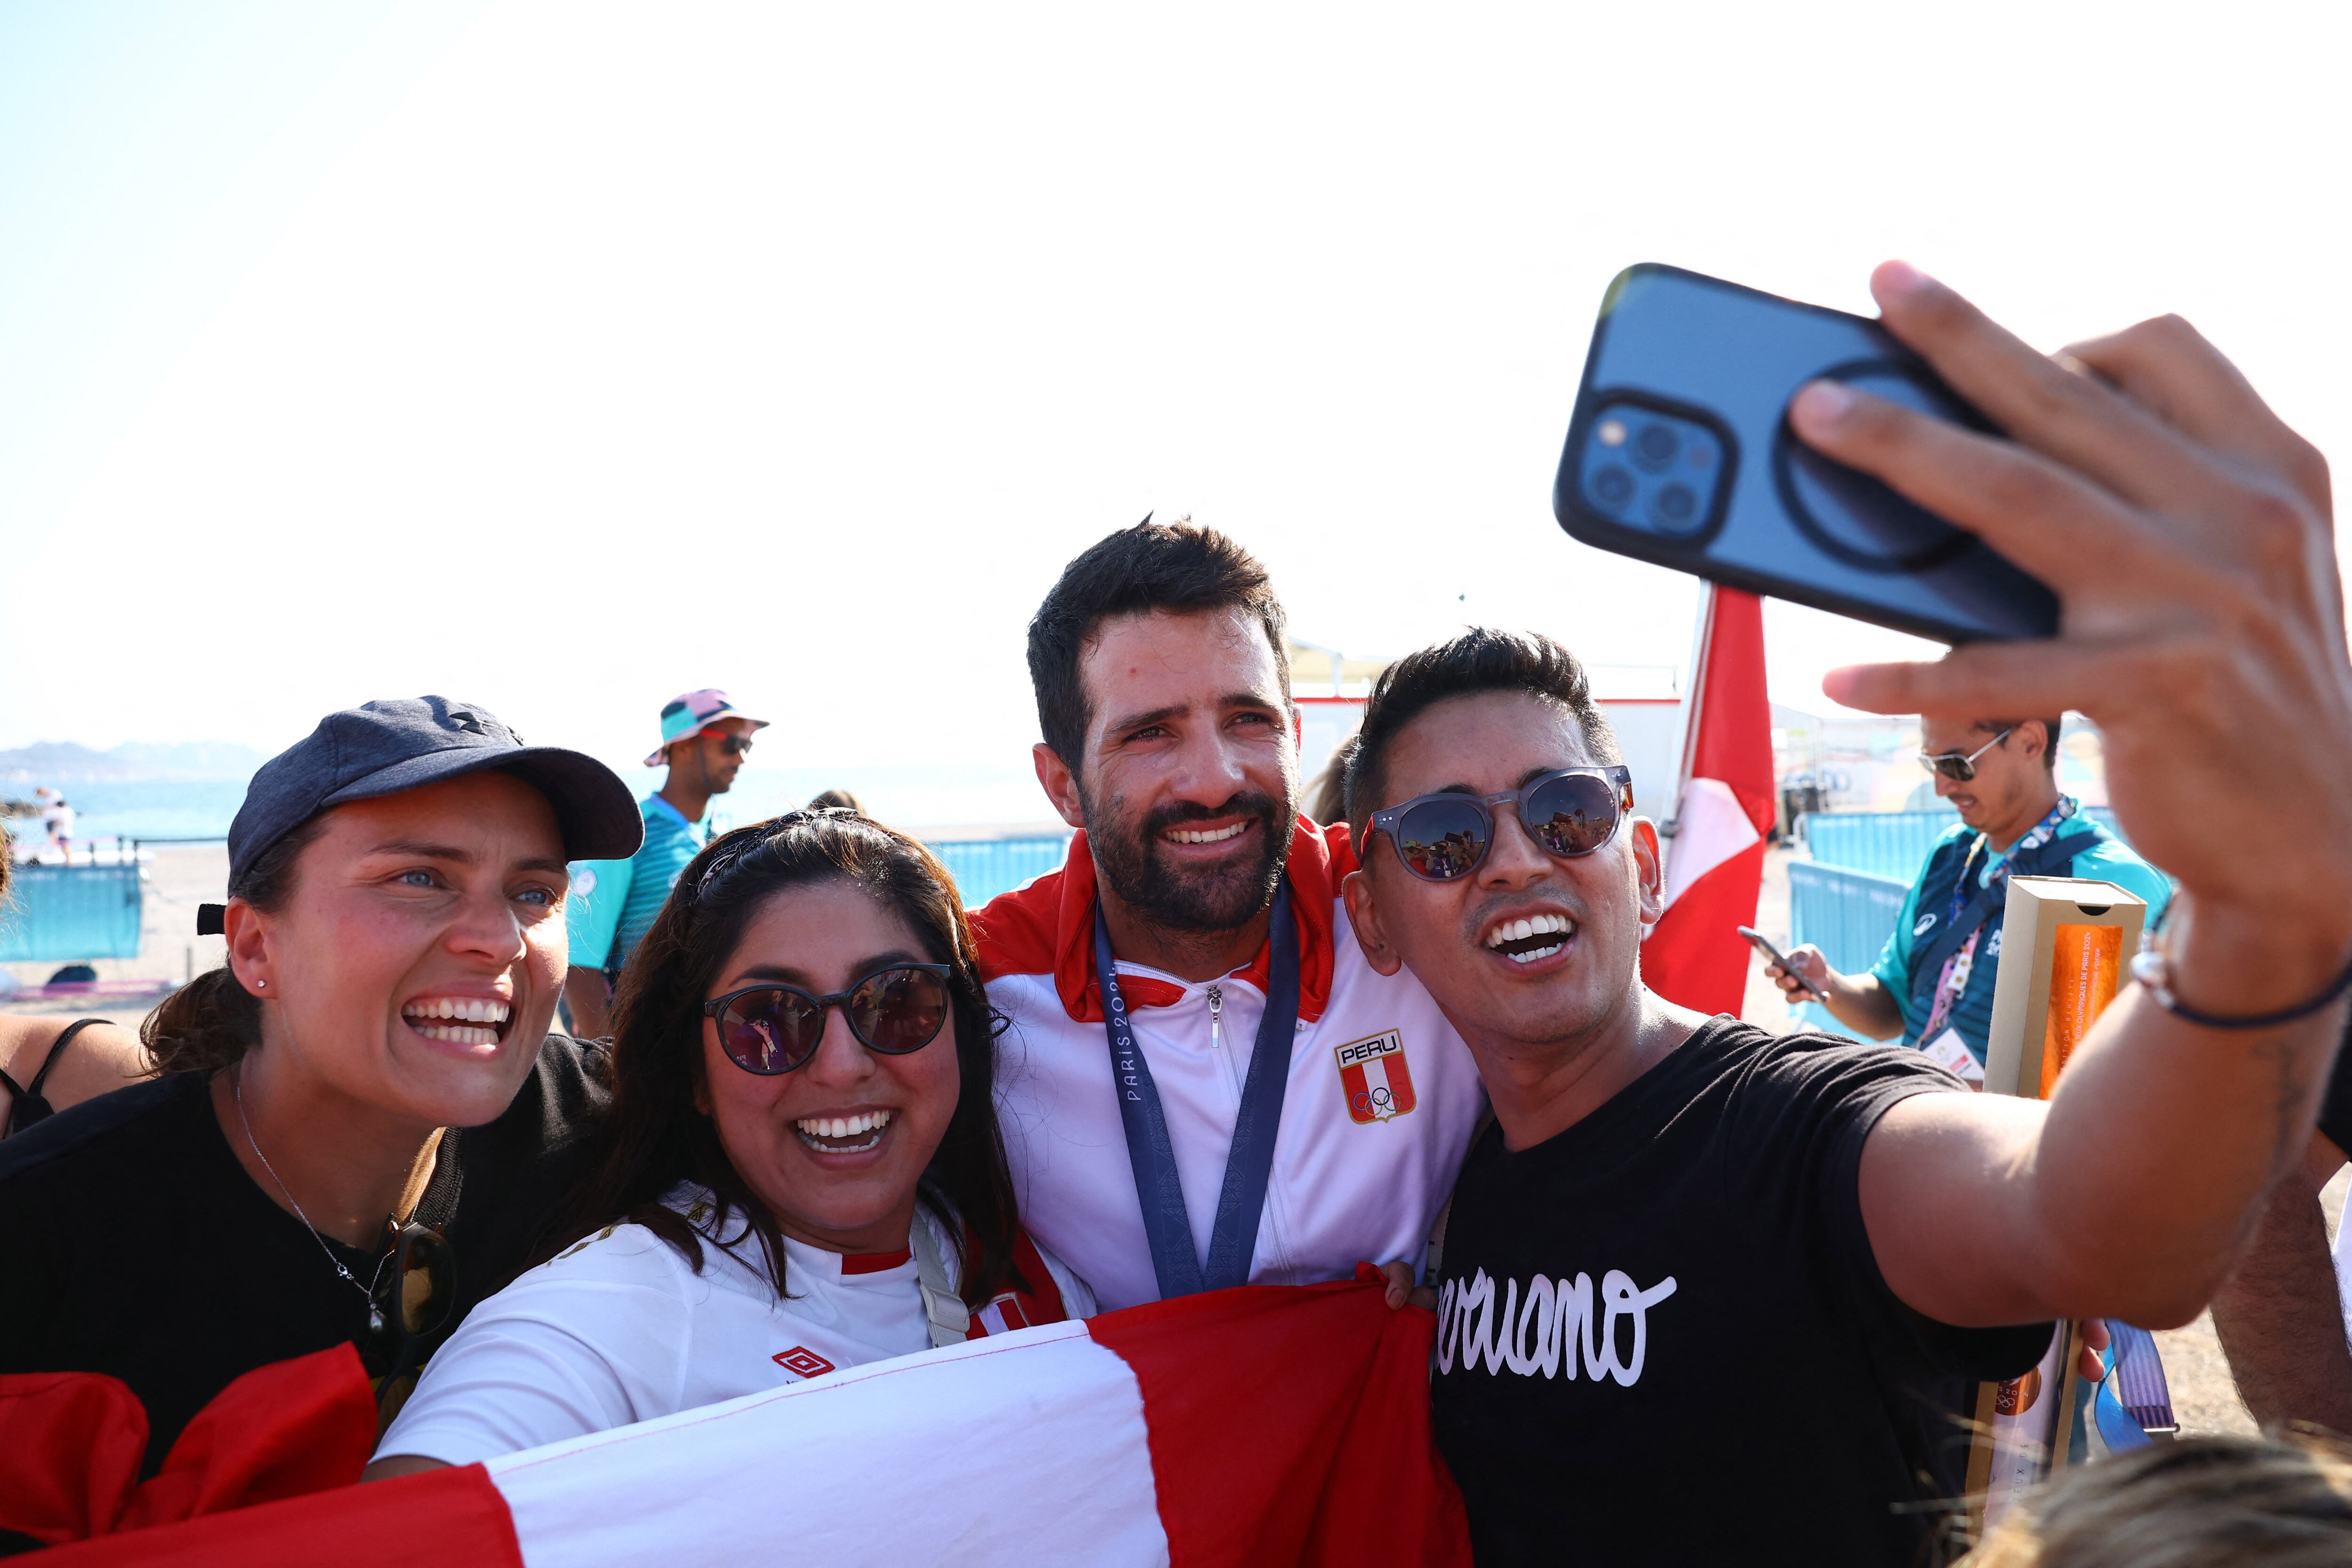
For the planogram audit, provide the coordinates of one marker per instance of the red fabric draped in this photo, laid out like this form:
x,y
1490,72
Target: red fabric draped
x,y
71,1442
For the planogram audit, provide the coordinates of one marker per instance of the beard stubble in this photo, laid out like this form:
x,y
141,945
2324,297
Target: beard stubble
x,y
1129,862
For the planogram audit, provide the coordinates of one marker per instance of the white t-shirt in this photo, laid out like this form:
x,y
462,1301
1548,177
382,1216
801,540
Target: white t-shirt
x,y
1377,1113
619,1329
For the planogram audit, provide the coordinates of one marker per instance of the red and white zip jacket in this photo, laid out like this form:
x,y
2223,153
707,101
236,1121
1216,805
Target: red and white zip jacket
x,y
1376,1117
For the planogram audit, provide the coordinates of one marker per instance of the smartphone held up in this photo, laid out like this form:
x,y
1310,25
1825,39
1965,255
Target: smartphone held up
x,y
1679,453
1763,943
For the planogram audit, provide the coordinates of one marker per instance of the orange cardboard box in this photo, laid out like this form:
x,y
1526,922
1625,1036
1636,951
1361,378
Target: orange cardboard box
x,y
2064,946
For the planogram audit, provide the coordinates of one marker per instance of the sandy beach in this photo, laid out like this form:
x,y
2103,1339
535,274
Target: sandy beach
x,y
179,877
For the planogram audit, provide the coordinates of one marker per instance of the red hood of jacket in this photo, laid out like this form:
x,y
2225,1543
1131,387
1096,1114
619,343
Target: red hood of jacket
x,y
1048,926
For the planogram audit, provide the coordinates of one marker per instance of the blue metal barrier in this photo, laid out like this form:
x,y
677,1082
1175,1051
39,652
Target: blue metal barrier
x,y
1893,843
1848,914
60,913
982,868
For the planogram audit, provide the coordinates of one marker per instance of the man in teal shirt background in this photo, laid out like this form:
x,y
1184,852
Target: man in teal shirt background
x,y
613,903
1934,982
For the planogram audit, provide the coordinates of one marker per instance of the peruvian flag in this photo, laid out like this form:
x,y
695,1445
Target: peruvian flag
x,y
1715,863
1272,1425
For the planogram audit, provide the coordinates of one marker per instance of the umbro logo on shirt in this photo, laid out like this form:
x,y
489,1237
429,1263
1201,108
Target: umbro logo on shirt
x,y
801,1362
1374,1079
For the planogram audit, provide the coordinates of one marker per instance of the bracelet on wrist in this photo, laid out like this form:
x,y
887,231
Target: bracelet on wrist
x,y
2153,970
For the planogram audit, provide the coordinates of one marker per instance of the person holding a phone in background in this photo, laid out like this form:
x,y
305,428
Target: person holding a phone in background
x,y
1934,982
1783,1243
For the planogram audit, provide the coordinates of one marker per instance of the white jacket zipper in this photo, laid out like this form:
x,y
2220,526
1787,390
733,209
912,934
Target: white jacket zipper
x,y
1284,1269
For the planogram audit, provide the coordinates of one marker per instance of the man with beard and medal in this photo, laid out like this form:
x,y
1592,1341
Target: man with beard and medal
x,y
1248,1101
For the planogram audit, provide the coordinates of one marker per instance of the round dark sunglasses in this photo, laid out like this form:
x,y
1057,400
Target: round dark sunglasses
x,y
774,1029
1570,812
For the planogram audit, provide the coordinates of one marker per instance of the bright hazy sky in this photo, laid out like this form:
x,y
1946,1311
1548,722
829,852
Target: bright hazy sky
x,y
564,356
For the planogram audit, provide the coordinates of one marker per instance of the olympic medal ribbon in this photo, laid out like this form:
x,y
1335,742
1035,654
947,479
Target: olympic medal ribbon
x,y
1249,1163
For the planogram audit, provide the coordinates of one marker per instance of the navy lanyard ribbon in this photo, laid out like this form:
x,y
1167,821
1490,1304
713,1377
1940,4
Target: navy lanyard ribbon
x,y
2034,838
1233,1240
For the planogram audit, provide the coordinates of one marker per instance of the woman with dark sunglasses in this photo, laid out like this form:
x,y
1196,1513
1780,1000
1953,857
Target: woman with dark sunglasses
x,y
801,1173
359,1124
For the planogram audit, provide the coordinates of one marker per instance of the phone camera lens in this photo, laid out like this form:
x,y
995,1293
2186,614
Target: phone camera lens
x,y
1676,506
1655,446
1613,487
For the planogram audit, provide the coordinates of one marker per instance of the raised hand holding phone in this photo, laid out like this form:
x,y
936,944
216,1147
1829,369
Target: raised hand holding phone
x,y
2185,532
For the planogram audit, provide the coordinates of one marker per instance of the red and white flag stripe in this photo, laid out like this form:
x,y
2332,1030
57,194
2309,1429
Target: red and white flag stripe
x,y
1264,1424
1724,806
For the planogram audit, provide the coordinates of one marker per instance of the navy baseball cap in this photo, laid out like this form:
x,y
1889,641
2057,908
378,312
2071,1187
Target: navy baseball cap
x,y
405,743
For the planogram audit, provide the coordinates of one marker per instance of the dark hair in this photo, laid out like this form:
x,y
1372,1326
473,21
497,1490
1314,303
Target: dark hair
x,y
213,1021
1480,660
1179,568
1326,797
654,1138
838,800
2049,734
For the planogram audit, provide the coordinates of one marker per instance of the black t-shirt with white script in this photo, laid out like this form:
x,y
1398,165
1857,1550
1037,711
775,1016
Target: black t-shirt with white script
x,y
1662,1338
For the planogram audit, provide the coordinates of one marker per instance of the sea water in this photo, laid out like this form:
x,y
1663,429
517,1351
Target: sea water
x,y
137,808
933,799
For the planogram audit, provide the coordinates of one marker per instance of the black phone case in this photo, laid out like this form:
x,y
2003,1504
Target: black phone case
x,y
1782,520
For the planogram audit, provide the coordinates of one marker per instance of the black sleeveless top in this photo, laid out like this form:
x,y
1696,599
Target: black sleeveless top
x,y
27,1105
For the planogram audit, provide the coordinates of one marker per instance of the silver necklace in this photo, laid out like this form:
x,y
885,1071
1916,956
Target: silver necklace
x,y
375,1313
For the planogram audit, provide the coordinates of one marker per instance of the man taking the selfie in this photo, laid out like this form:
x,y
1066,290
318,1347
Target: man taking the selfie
x,y
1255,1103
1934,983
1708,1294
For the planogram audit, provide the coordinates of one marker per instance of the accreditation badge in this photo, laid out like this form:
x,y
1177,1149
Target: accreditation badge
x,y
1374,1079
1951,1052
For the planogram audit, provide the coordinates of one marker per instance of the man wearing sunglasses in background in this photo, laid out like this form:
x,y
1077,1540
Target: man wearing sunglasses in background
x,y
613,903
1258,1105
1934,983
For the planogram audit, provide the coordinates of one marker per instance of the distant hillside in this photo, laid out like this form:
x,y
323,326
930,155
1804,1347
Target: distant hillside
x,y
51,760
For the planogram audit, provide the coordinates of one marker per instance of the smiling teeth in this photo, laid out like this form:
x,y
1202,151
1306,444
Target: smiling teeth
x,y
472,1009
1531,931
1212,836
458,1033
470,1020
813,1127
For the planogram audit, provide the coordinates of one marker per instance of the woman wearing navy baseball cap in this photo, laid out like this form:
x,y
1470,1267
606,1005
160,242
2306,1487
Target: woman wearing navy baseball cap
x,y
360,1121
